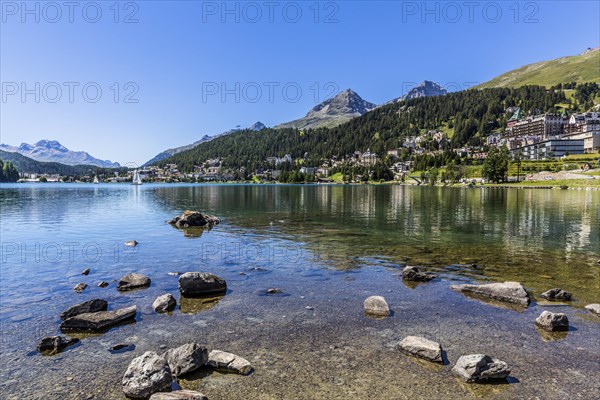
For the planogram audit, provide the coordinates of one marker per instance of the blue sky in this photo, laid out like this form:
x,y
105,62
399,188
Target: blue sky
x,y
170,72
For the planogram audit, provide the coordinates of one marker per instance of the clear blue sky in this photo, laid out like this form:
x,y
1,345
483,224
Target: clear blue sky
x,y
179,56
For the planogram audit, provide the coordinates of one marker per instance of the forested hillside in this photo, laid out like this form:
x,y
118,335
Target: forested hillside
x,y
467,117
27,165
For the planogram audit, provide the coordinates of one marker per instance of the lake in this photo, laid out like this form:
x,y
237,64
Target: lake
x,y
327,247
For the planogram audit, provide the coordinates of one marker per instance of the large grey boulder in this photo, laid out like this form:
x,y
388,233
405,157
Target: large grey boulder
x,y
89,306
423,348
510,292
146,375
552,322
197,284
51,345
191,219
556,294
479,367
179,395
98,321
229,362
593,308
133,281
413,274
376,305
186,358
164,303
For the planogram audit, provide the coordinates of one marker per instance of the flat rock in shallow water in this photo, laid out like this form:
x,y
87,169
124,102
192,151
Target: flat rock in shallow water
x,y
164,303
86,271
414,275
186,358
228,362
133,281
552,322
146,375
479,367
179,395
593,308
197,284
423,348
98,321
510,292
80,287
376,305
89,306
556,294
51,345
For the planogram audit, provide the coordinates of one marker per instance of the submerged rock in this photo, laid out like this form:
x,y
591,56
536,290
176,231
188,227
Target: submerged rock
x,y
479,367
164,303
556,294
51,345
122,348
423,348
191,219
131,243
179,395
102,284
80,287
186,358
146,375
510,292
98,321
89,306
376,305
593,308
86,271
552,322
133,281
414,275
197,284
229,362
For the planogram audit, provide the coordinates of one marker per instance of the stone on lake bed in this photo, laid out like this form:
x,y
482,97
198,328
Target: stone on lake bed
x,y
414,275
80,287
479,367
133,281
179,395
593,308
228,362
122,348
422,348
552,322
51,345
376,305
556,294
98,321
89,306
191,219
86,271
102,284
198,284
164,303
186,358
510,292
131,243
146,375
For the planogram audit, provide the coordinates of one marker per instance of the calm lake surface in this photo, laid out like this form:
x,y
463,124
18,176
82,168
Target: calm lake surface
x,y
327,248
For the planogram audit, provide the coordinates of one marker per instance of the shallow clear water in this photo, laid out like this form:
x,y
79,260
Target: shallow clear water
x,y
327,248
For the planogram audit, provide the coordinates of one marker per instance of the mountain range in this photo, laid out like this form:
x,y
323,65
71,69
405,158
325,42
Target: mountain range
x,y
257,126
53,151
